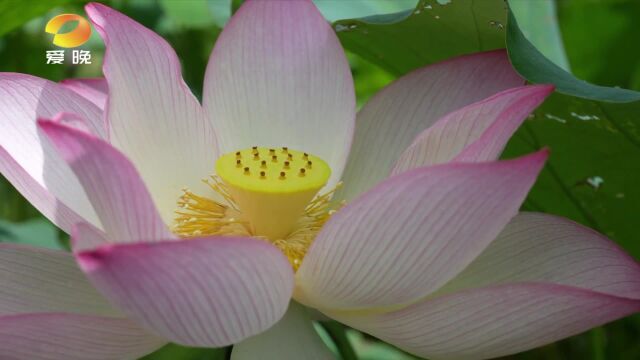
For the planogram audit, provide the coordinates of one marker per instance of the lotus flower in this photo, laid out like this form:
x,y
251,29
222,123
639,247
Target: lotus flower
x,y
429,253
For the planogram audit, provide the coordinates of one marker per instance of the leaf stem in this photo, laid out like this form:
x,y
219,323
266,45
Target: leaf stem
x,y
339,336
597,343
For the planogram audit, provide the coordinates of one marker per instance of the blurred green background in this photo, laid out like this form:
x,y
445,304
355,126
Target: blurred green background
x,y
594,173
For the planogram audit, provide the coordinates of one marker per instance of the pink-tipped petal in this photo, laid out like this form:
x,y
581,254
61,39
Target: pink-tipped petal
x,y
41,280
153,117
77,122
479,131
87,237
388,123
279,77
492,321
55,336
546,248
95,90
28,160
111,182
412,233
292,338
47,203
207,292
543,278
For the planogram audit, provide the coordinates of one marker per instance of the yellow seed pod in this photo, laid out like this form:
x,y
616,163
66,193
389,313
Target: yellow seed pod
x,y
272,193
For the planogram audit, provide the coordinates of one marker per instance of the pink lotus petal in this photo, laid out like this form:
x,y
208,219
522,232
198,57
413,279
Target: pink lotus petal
x,y
154,118
202,292
291,337
59,213
39,173
41,280
479,131
86,237
95,90
413,233
492,321
77,122
55,336
390,121
111,182
547,248
279,77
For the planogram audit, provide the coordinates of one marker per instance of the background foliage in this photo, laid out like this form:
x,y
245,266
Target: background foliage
x,y
593,129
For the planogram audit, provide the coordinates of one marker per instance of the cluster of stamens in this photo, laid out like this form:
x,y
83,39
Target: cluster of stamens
x,y
200,216
318,212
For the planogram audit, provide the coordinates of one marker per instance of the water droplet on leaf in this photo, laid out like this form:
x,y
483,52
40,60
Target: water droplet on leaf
x,y
595,181
556,118
341,27
497,24
584,117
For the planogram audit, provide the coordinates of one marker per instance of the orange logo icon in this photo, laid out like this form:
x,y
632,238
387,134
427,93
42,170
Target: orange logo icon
x,y
73,38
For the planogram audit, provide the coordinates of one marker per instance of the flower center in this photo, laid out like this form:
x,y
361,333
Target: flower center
x,y
268,193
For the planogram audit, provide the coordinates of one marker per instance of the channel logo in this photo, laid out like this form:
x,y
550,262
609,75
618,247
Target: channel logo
x,y
73,38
